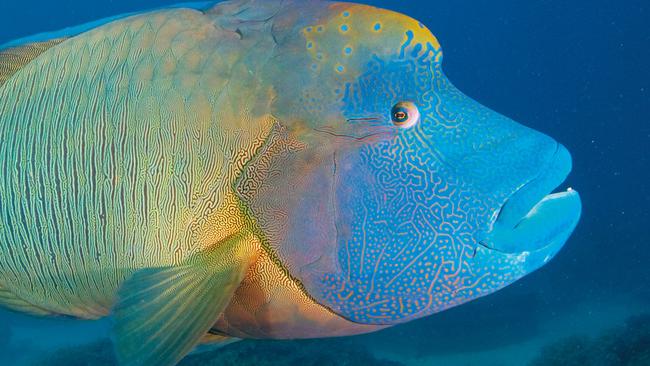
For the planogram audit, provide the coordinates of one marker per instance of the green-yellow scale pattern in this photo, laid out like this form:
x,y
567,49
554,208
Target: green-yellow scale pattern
x,y
119,153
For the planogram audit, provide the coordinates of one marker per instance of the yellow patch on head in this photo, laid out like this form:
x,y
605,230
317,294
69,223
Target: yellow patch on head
x,y
335,40
372,20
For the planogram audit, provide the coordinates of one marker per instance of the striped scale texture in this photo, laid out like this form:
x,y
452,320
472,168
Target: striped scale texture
x,y
13,59
118,149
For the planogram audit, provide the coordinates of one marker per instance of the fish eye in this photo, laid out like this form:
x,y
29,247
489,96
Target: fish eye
x,y
405,114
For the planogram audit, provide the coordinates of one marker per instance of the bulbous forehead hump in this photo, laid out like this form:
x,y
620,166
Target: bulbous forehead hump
x,y
346,30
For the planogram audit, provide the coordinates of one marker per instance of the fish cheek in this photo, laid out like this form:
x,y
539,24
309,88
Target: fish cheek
x,y
286,190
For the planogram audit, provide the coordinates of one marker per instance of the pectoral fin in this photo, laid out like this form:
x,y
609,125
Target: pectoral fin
x,y
162,313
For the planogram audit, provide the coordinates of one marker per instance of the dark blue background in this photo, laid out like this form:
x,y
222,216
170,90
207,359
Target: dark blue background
x,y
576,70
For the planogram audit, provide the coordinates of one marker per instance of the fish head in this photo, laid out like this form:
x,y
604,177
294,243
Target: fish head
x,y
403,197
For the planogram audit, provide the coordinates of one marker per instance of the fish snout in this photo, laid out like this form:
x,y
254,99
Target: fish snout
x,y
533,222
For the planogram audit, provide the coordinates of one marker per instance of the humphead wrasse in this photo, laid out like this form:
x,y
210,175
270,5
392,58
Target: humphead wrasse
x,y
260,169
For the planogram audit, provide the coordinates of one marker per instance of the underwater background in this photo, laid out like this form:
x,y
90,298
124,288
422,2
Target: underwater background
x,y
576,70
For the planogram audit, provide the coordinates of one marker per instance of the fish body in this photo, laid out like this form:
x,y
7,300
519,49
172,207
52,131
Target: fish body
x,y
260,169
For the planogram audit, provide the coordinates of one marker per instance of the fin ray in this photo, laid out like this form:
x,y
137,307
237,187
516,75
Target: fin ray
x,y
159,324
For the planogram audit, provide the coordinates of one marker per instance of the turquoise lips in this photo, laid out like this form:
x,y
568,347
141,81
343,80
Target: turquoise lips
x,y
533,223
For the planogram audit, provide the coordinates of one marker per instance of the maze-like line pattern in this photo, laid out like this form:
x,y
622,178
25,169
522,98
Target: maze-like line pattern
x,y
413,249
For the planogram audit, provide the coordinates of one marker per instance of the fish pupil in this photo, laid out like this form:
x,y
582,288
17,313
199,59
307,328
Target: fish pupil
x,y
400,115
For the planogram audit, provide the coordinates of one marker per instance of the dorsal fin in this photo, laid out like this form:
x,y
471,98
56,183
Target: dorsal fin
x,y
14,59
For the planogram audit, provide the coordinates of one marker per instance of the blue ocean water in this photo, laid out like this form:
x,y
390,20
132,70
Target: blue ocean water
x,y
578,71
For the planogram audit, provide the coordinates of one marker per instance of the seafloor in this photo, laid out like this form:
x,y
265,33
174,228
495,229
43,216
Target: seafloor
x,y
489,332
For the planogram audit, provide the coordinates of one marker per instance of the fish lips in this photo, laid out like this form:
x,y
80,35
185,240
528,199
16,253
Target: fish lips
x,y
534,223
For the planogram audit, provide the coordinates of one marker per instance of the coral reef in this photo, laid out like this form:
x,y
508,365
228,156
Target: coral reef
x,y
628,345
330,352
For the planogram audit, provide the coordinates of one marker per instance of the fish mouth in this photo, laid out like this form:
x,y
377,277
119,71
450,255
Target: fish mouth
x,y
534,219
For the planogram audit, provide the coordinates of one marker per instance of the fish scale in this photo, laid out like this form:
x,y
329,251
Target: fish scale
x,y
95,134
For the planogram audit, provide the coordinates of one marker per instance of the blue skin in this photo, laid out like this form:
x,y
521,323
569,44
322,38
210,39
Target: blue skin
x,y
426,217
